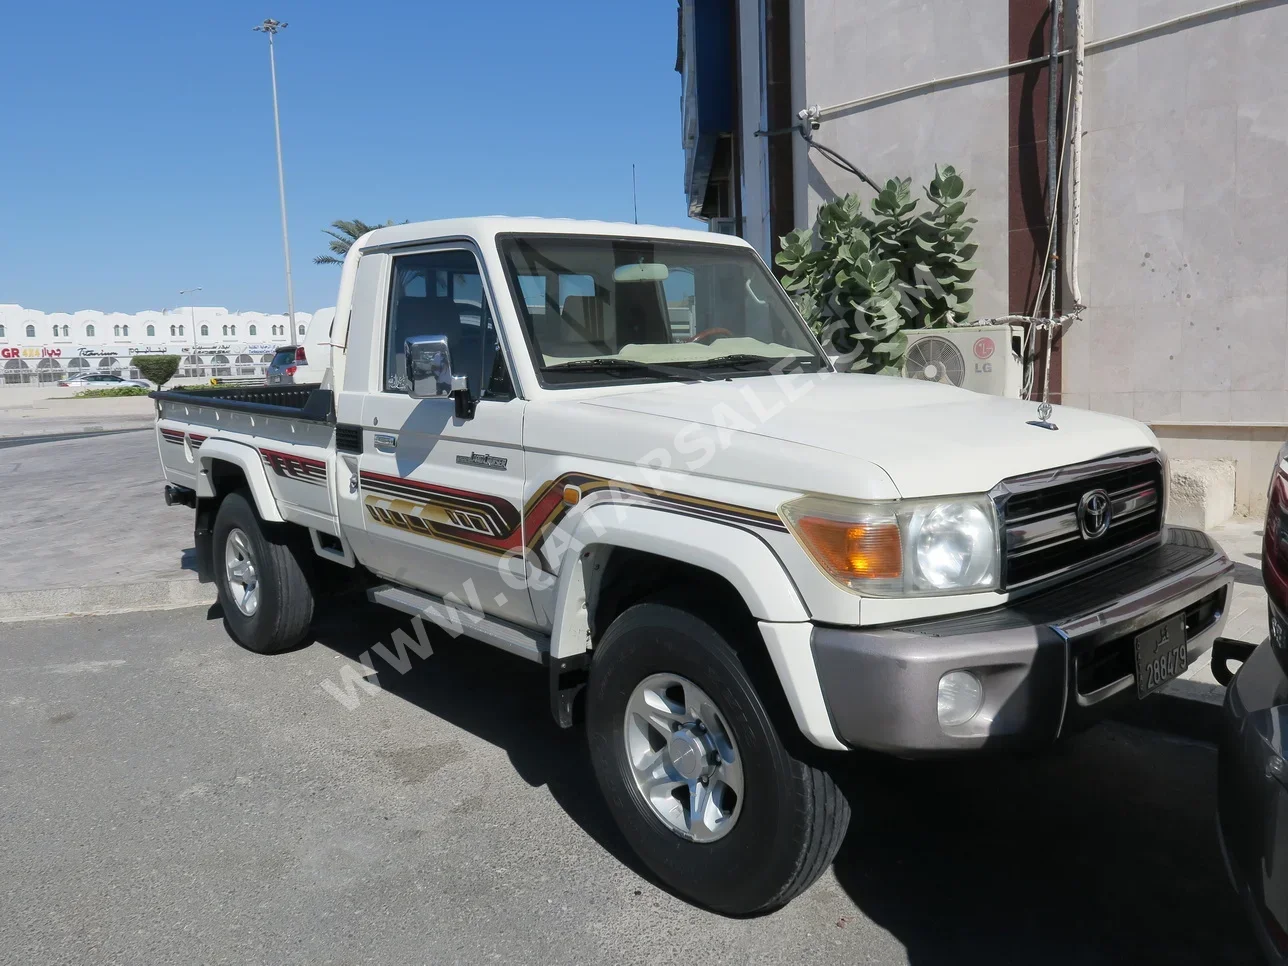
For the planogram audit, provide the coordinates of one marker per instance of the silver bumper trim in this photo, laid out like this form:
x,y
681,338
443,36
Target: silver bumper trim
x,y
880,684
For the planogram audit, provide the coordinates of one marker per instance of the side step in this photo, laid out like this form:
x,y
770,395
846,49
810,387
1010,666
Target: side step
x,y
456,619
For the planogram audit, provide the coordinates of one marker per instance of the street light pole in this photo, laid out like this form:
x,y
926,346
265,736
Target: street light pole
x,y
271,27
192,311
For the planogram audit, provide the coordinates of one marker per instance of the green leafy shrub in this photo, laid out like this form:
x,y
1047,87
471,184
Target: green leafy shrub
x,y
158,369
113,391
859,280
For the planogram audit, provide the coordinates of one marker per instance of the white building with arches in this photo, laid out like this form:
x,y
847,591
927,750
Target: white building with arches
x,y
40,347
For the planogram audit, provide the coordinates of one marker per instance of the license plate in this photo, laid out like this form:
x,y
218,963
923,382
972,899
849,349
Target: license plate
x,y
1161,655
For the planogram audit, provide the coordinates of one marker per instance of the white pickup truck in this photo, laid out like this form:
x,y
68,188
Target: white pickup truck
x,y
618,451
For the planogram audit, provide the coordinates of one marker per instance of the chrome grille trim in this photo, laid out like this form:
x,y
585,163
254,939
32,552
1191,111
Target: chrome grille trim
x,y
1062,524
1038,529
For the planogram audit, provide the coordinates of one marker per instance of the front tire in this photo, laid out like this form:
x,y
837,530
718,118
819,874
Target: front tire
x,y
694,772
263,580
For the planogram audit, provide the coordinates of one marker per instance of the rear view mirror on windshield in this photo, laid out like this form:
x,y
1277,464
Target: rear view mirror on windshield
x,y
641,272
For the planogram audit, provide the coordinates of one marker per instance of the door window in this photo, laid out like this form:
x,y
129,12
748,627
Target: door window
x,y
441,293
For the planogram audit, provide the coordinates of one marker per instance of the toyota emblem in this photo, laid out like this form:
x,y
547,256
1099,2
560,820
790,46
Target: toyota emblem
x,y
1094,513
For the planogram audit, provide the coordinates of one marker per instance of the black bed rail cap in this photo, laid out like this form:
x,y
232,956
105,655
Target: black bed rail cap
x,y
293,402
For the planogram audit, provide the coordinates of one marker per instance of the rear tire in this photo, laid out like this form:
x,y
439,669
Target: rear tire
x,y
263,579
790,818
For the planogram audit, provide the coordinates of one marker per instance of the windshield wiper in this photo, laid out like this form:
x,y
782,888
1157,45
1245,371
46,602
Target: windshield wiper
x,y
745,359
623,365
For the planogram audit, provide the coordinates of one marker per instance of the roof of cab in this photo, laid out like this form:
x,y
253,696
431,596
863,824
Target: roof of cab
x,y
486,228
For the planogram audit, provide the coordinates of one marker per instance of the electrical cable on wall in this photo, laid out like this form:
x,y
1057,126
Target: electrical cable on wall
x,y
1051,325
805,130
812,116
1075,203
840,161
1032,323
817,113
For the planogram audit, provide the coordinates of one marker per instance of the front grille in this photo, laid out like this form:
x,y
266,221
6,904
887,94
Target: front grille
x,y
1043,533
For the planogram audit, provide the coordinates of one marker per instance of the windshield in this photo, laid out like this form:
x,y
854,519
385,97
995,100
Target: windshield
x,y
599,309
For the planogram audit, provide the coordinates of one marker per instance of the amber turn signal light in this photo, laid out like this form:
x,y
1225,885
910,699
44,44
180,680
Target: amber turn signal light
x,y
854,550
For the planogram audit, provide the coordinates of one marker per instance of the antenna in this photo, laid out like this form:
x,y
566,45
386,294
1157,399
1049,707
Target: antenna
x,y
635,201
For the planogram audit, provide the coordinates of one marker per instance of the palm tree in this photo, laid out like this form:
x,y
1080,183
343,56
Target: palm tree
x,y
343,234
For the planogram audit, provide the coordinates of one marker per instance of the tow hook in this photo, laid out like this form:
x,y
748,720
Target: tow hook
x,y
1226,649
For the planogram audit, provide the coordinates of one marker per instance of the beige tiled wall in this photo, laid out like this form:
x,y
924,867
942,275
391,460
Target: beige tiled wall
x,y
1185,219
1252,448
854,48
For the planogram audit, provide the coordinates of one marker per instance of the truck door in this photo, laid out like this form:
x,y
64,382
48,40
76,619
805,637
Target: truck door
x,y
442,496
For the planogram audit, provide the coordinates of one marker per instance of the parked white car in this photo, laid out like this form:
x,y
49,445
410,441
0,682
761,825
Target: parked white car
x,y
102,380
618,452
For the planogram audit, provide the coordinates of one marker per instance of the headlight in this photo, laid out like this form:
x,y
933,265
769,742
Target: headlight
x,y
900,548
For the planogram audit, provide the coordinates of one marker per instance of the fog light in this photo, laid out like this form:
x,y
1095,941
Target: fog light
x,y
960,697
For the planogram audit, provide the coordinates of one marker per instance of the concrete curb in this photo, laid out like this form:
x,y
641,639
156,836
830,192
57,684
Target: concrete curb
x,y
30,605
63,427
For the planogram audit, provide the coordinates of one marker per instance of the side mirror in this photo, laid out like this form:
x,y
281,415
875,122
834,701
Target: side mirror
x,y
429,373
429,366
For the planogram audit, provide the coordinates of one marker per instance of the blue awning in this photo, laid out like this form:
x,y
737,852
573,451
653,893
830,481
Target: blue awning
x,y
706,65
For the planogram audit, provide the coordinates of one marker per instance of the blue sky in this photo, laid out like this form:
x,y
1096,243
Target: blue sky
x,y
136,153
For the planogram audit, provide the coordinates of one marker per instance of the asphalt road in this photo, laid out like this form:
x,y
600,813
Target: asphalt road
x,y
166,797
87,510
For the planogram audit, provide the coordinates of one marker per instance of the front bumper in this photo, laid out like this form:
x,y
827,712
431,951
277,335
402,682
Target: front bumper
x,y
1048,662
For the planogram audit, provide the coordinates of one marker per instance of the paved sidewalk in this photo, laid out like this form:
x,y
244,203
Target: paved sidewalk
x,y
1241,539
54,410
86,531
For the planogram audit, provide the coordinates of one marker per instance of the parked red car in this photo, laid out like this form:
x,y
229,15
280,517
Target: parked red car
x,y
1253,797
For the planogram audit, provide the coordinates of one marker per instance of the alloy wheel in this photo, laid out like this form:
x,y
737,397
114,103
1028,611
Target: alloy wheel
x,y
241,571
683,757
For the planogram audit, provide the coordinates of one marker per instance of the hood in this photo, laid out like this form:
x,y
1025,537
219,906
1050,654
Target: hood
x,y
930,439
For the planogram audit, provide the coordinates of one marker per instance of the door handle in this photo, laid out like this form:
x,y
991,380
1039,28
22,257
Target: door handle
x,y
385,442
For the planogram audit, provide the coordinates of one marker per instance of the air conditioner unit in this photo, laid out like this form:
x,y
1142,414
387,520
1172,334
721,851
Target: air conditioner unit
x,y
982,358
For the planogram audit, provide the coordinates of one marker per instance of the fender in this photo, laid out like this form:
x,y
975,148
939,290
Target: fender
x,y
736,554
247,459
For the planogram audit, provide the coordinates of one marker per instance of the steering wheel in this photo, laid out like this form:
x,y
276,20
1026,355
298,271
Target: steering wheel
x,y
707,333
